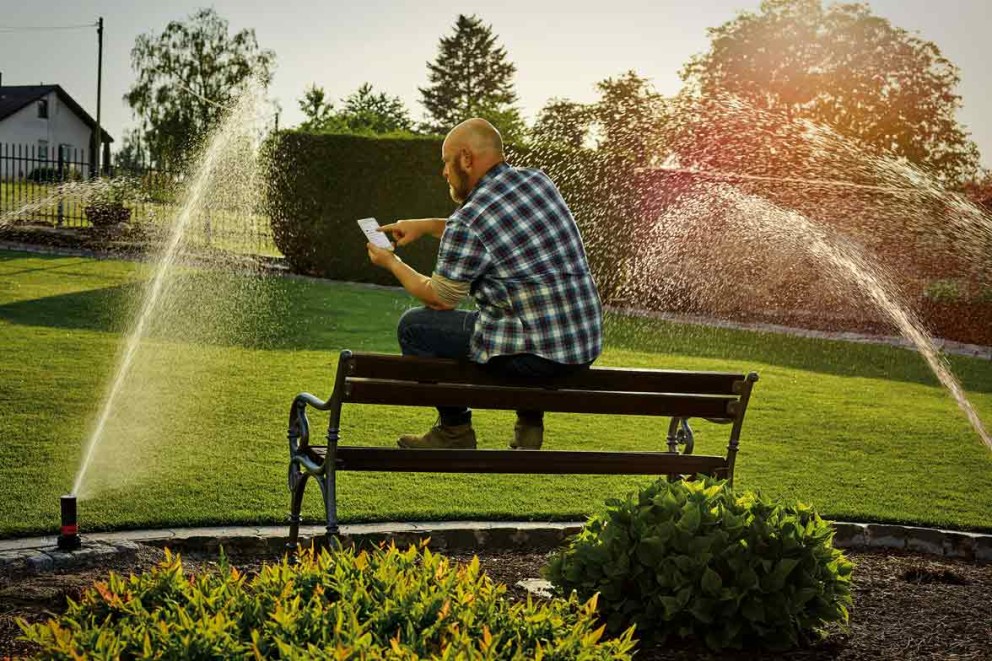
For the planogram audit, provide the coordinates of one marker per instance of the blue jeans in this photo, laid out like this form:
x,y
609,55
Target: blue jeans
x,y
447,334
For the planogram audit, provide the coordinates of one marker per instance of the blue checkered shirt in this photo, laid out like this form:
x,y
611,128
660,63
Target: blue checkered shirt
x,y
516,242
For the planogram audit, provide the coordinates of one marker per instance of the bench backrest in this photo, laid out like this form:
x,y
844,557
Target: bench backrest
x,y
410,381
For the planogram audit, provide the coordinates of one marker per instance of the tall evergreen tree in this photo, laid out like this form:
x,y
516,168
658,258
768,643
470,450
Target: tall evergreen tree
x,y
471,77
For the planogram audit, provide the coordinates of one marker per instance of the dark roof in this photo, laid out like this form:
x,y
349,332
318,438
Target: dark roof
x,y
15,97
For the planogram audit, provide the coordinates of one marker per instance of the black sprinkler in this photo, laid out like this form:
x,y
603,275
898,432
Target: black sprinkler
x,y
69,532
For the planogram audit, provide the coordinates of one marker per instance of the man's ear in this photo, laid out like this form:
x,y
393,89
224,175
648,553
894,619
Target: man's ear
x,y
465,157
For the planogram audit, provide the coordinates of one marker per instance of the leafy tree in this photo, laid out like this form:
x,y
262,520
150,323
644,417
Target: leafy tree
x,y
187,76
319,112
131,156
368,112
630,117
562,123
843,67
471,77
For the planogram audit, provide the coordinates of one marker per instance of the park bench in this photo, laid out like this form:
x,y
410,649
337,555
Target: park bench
x,y
411,381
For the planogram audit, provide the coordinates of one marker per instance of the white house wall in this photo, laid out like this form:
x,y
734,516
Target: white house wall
x,y
25,128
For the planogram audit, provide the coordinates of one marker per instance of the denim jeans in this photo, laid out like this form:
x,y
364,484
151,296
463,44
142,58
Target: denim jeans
x,y
447,334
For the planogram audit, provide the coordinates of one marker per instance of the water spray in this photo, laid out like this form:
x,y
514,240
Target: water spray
x,y
69,532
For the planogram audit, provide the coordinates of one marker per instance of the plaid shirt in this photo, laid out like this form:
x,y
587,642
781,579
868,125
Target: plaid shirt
x,y
516,242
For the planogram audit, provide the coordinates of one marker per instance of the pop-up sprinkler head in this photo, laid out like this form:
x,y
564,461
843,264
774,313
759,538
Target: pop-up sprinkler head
x,y
69,532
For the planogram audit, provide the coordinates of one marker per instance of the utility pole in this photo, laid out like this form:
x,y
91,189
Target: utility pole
x,y
99,84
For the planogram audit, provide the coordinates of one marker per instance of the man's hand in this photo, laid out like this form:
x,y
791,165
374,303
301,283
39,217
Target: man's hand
x,y
380,256
407,231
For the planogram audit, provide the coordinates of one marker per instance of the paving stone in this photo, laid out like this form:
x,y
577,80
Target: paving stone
x,y
40,562
850,535
983,548
925,540
883,536
959,544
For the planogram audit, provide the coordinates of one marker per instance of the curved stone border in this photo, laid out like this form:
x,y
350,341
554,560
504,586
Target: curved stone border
x,y
38,554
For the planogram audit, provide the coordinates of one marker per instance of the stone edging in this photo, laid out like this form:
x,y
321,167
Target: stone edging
x,y
38,554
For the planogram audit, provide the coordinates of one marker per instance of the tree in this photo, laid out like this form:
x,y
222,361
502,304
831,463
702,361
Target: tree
x,y
562,123
471,77
843,67
187,76
319,112
630,119
367,112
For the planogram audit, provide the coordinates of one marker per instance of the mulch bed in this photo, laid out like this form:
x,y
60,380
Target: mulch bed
x,y
906,606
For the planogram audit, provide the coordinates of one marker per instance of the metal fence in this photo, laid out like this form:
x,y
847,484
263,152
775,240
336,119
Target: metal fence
x,y
52,185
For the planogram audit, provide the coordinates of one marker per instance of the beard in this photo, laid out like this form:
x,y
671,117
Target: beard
x,y
458,183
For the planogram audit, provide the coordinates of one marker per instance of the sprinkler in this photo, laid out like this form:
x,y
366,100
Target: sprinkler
x,y
69,532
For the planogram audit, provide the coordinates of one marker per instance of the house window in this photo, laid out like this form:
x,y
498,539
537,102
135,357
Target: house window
x,y
43,150
43,109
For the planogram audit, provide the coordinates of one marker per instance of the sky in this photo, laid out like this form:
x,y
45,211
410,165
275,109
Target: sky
x,y
561,48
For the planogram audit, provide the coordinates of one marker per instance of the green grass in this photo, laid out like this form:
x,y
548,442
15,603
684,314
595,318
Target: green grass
x,y
861,432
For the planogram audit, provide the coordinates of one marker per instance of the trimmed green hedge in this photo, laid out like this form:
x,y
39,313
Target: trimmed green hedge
x,y
322,183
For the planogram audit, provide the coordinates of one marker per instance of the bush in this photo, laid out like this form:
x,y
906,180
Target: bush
x,y
944,291
383,604
44,175
320,184
694,559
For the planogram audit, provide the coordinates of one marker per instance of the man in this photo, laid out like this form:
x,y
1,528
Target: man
x,y
512,245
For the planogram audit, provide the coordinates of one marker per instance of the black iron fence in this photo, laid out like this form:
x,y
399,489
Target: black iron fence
x,y
57,186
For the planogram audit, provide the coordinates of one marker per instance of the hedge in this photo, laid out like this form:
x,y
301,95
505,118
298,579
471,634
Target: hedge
x,y
320,184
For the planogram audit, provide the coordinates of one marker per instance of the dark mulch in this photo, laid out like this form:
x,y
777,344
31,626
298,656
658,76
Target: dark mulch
x,y
906,606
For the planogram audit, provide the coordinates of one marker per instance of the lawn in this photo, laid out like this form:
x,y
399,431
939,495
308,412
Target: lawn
x,y
861,432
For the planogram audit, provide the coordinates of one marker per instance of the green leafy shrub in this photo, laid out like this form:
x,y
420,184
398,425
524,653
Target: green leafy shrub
x,y
944,291
384,604
694,559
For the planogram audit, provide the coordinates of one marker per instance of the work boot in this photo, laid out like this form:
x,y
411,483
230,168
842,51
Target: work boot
x,y
441,436
527,436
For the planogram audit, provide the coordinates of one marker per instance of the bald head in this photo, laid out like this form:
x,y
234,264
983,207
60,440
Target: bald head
x,y
478,136
469,151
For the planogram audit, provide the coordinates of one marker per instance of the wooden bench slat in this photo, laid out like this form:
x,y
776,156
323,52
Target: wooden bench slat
x,y
404,393
558,462
412,368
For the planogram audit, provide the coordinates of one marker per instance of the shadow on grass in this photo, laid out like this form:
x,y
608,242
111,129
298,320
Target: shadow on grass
x,y
813,355
219,308
225,310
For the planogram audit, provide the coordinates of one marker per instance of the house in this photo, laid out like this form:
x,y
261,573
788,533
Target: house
x,y
40,123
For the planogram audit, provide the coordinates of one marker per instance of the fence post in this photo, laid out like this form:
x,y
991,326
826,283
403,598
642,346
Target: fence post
x,y
61,180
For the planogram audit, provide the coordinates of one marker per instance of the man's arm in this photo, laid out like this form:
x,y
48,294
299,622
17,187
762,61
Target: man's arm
x,y
408,231
419,286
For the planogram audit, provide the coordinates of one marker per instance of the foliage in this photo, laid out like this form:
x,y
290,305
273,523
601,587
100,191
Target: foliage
x,y
131,156
839,66
346,604
187,76
945,291
367,112
318,110
563,123
692,558
322,183
364,113
45,175
472,77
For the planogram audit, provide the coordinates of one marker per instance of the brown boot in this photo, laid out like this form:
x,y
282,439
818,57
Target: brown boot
x,y
527,437
442,437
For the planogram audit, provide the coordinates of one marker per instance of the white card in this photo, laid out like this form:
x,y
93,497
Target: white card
x,y
371,228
